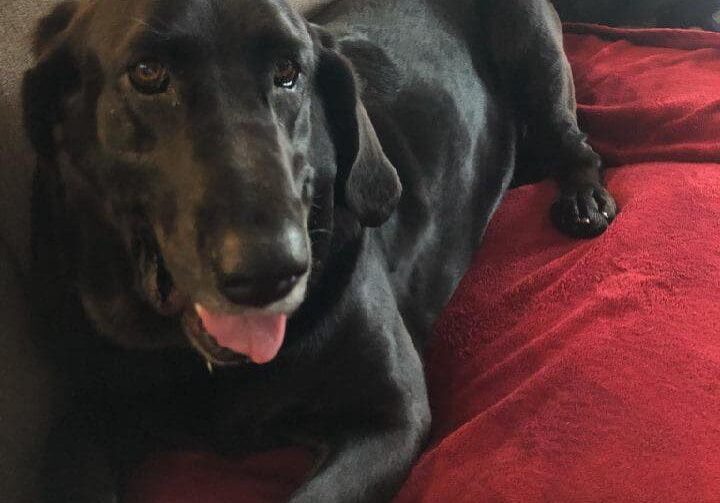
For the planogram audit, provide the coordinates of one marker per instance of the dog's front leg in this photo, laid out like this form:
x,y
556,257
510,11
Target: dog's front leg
x,y
527,48
380,421
364,468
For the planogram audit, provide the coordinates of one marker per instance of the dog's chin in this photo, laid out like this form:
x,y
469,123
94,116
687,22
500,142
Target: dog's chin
x,y
168,300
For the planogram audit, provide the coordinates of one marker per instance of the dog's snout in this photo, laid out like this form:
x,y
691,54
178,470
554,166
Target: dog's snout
x,y
266,272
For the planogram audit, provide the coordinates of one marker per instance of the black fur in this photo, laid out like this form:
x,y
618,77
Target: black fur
x,y
140,203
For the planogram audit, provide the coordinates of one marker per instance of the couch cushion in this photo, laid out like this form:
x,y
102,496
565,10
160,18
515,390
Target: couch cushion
x,y
17,20
568,371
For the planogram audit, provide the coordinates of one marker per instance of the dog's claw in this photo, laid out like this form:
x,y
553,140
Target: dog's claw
x,y
584,211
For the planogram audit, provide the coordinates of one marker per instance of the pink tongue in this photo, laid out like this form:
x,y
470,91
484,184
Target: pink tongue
x,y
257,336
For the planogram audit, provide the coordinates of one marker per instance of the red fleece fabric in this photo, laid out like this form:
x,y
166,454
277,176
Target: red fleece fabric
x,y
570,370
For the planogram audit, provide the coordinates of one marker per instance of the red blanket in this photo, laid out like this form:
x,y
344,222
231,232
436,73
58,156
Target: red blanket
x,y
567,370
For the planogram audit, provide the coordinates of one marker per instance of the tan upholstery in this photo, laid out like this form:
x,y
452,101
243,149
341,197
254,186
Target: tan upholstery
x,y
17,18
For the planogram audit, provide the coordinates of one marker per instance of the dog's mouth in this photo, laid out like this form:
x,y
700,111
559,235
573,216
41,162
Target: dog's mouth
x,y
232,339
222,339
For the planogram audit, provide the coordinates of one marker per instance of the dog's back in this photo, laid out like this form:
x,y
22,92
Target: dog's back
x,y
445,126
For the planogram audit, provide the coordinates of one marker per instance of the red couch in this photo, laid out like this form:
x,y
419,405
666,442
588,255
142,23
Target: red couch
x,y
570,370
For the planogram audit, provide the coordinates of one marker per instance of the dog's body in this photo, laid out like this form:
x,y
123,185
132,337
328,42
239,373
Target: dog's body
x,y
449,97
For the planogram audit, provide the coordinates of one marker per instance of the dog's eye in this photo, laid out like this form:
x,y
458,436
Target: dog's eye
x,y
286,74
149,77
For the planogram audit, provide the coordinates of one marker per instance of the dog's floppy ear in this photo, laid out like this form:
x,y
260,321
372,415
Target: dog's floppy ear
x,y
367,182
54,75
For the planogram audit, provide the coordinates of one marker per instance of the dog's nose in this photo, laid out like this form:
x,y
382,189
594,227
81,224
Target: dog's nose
x,y
269,271
259,291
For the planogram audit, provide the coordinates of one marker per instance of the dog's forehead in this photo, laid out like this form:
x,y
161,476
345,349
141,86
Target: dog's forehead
x,y
218,23
225,18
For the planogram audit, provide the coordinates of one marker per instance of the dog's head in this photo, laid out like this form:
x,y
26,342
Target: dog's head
x,y
207,139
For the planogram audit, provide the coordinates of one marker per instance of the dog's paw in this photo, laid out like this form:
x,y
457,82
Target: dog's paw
x,y
584,212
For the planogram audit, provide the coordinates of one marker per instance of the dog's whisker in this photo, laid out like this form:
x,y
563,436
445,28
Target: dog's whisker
x,y
162,30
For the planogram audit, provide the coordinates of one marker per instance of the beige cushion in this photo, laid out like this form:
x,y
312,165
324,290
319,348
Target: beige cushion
x,y
17,20
26,388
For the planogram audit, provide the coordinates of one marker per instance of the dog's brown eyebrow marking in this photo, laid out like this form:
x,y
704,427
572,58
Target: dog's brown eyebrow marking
x,y
165,45
150,28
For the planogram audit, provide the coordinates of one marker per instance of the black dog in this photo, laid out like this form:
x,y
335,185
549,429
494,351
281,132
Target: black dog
x,y
223,253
